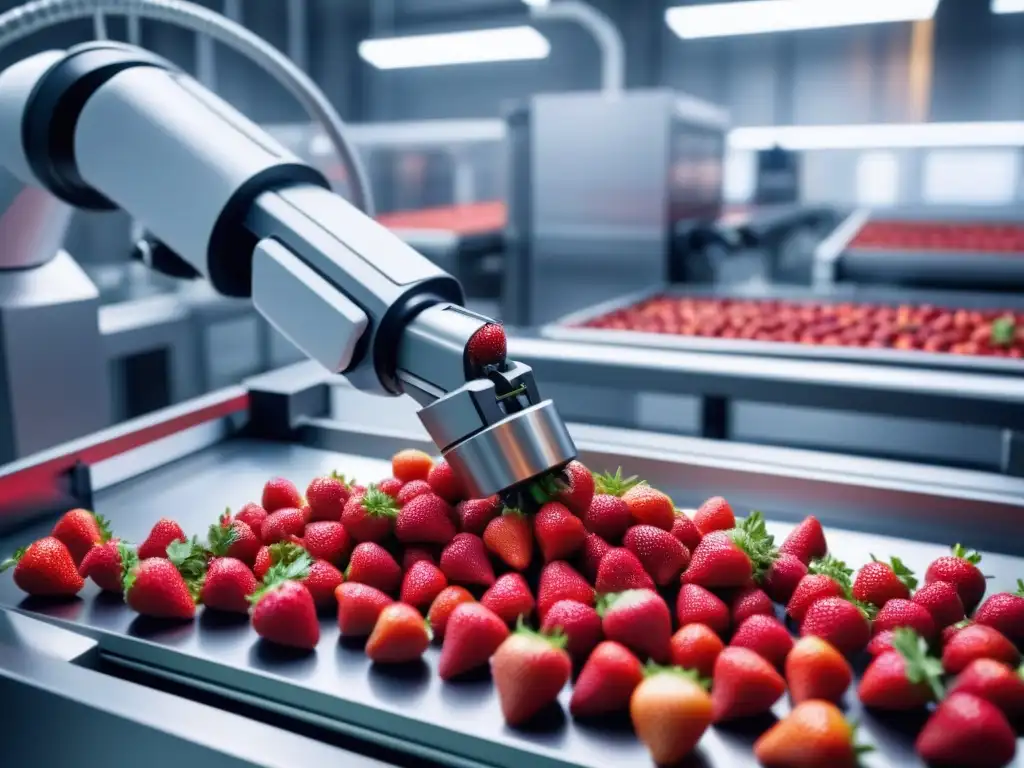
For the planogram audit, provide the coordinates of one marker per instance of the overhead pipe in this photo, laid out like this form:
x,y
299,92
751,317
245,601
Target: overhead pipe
x,y
607,36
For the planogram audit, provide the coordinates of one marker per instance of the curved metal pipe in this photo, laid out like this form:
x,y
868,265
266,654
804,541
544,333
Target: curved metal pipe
x,y
605,33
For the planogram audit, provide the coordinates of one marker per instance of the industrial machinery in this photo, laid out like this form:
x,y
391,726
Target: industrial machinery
x,y
237,208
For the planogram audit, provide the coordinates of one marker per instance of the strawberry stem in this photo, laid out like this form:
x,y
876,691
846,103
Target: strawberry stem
x,y
835,569
921,668
556,638
904,574
12,561
104,525
651,669
971,556
279,573
129,559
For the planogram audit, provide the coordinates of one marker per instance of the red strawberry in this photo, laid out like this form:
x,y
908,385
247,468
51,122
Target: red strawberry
x,y
283,610
282,525
977,642
372,564
464,560
952,631
715,514
594,550
765,636
529,671
81,530
966,731
422,583
510,598
744,685
237,540
487,346
606,682
327,496
685,530
444,482
410,464
806,542
942,601
370,516
812,588
904,678
281,552
720,560
640,620
163,533
961,570
904,613
167,588
696,605
560,581
783,577
575,488
995,682
228,585
1005,611
400,635
475,514
881,643
279,493
327,540
413,555
877,582
321,582
252,515
391,486
608,517
559,533
426,519
474,632
509,537
443,607
359,606
620,570
650,507
661,554
45,568
106,564
411,490
817,670
695,646
748,602
840,622
580,623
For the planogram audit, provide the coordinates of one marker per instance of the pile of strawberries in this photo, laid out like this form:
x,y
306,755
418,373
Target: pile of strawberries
x,y
936,236
667,615
921,327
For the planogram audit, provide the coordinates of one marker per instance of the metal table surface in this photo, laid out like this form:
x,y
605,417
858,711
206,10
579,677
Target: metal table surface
x,y
409,708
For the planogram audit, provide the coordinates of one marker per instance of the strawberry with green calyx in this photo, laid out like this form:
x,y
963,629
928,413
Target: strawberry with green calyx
x,y
879,582
670,710
168,588
370,516
806,542
1004,611
80,530
45,568
228,585
268,556
163,533
616,485
327,496
841,622
283,611
732,558
191,559
1004,331
574,487
235,540
904,678
961,570
106,564
529,671
835,569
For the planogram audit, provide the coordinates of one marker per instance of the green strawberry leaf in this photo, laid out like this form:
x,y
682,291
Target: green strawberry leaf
x,y
292,569
921,668
379,504
1004,331
651,669
835,569
336,475
12,561
1020,588
972,557
615,485
220,539
286,552
869,611
556,638
104,525
129,559
189,557
858,748
904,574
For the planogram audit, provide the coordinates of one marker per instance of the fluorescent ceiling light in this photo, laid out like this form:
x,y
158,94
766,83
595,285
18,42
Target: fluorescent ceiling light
x,y
1007,6
754,17
500,44
889,136
537,3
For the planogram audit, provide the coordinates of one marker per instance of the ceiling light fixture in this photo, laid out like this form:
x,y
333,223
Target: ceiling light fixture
x,y
885,136
1007,6
753,17
473,47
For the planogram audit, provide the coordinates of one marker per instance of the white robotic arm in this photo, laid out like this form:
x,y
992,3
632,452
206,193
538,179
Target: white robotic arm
x,y
107,125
